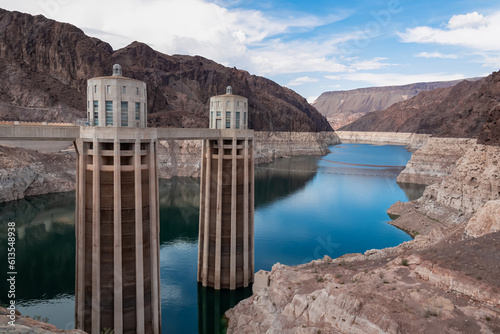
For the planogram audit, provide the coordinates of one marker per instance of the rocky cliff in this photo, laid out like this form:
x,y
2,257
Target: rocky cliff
x,y
44,66
183,157
473,178
412,140
28,325
344,107
25,172
443,281
435,160
470,109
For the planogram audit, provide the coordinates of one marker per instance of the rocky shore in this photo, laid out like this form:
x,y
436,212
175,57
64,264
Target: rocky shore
x,y
443,281
28,172
27,325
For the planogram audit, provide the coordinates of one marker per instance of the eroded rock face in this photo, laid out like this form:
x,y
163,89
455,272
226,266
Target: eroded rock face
x,y
412,140
28,325
344,107
399,291
485,221
469,109
26,172
272,145
472,181
435,160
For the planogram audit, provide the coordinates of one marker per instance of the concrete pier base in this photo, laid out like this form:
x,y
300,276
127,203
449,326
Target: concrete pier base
x,y
226,233
117,231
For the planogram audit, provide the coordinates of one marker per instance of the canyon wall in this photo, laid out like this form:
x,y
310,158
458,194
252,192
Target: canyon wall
x,y
443,281
412,140
470,109
435,160
343,107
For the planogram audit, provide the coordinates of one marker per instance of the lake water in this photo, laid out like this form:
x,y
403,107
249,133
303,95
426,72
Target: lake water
x,y
305,208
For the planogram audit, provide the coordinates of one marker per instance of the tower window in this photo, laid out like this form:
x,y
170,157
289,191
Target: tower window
x,y
228,120
124,90
108,89
218,113
95,89
237,120
96,113
137,111
124,113
109,113
244,119
137,91
211,119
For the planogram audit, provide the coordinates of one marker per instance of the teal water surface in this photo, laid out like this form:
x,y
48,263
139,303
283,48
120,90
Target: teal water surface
x,y
305,208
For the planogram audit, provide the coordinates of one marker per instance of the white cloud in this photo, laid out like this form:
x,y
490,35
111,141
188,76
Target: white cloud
x,y
474,31
301,80
371,64
311,99
436,55
471,20
395,79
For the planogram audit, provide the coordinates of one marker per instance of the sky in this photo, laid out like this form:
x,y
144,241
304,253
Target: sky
x,y
308,46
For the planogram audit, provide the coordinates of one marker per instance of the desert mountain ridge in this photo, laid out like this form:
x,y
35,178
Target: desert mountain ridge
x,y
344,107
45,64
470,109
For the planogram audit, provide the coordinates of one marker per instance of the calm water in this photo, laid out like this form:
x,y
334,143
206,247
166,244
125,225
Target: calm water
x,y
305,208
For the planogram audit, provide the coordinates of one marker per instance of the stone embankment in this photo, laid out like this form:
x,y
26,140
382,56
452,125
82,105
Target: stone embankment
x,y
412,140
443,281
25,172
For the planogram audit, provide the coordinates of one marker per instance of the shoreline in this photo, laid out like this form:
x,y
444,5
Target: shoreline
x,y
419,286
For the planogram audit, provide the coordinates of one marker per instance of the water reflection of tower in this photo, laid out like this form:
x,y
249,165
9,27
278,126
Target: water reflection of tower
x,y
117,258
226,242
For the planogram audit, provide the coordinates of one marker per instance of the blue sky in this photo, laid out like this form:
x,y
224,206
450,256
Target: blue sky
x,y
308,46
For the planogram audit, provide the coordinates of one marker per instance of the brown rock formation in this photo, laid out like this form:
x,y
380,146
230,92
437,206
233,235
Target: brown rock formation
x,y
25,172
344,107
44,66
466,110
473,181
28,325
435,160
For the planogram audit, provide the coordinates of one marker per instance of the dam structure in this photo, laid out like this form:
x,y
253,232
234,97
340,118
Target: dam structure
x,y
117,285
226,232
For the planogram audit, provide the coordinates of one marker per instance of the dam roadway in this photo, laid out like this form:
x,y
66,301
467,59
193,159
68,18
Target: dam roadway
x,y
69,132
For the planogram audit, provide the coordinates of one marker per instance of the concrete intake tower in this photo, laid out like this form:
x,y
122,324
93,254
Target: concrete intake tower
x,y
226,233
117,216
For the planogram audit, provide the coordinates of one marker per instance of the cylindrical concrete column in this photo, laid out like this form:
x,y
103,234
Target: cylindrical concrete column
x,y
225,259
117,285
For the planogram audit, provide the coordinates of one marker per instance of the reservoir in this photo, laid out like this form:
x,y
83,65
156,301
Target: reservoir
x,y
305,208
